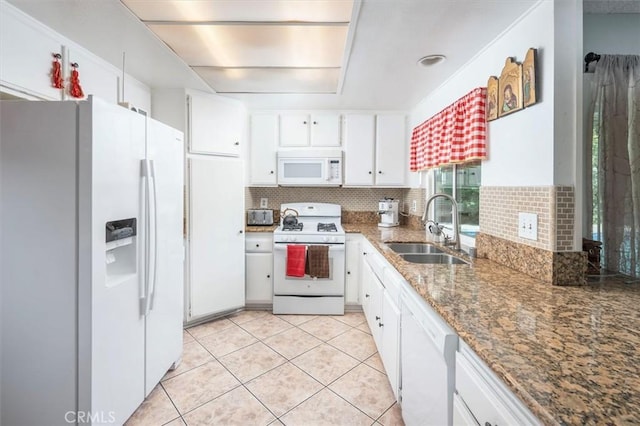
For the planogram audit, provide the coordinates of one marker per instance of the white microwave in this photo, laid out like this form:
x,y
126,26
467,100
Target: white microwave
x,y
310,168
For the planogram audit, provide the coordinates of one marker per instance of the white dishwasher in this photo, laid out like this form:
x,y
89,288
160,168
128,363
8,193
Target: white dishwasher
x,y
428,347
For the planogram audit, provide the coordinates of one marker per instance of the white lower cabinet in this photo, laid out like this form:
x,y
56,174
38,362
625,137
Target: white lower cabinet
x,y
485,396
390,339
259,269
435,376
461,414
379,303
352,268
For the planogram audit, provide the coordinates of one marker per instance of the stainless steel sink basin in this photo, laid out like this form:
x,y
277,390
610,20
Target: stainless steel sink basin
x,y
413,248
440,258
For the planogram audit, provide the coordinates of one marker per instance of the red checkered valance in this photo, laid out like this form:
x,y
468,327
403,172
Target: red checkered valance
x,y
456,134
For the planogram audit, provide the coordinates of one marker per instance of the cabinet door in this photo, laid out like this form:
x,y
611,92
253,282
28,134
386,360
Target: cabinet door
x,y
95,77
352,286
26,55
216,235
369,296
359,138
259,278
390,353
264,142
294,130
215,125
461,414
325,129
391,148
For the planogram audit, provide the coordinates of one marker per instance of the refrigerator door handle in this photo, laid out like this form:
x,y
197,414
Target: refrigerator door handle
x,y
152,289
149,188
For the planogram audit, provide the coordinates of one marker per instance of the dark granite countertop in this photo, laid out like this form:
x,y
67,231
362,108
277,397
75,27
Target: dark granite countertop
x,y
572,354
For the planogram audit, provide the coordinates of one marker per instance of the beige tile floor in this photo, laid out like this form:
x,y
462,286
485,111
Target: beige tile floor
x,y
255,368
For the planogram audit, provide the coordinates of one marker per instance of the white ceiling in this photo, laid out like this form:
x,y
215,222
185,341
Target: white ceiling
x,y
391,35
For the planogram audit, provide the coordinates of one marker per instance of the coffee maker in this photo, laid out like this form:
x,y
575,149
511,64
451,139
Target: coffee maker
x,y
388,211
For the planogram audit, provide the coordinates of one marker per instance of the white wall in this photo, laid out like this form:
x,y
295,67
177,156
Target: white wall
x,y
520,145
612,34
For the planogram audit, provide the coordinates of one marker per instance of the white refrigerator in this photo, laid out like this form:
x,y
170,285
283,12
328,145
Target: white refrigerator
x,y
92,254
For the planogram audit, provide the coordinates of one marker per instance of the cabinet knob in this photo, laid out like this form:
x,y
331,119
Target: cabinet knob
x,y
366,295
377,318
364,253
304,122
379,172
315,122
268,276
257,245
348,272
241,231
380,324
271,172
237,143
370,172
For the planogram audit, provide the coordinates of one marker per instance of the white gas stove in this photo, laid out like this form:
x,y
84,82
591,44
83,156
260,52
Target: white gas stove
x,y
315,224
318,223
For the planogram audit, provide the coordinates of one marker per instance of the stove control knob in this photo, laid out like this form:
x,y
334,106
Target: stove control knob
x,y
325,239
334,239
293,239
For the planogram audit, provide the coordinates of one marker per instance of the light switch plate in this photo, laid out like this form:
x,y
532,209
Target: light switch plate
x,y
264,203
528,226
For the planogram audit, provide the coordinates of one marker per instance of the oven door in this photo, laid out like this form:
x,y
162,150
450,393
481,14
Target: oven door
x,y
307,285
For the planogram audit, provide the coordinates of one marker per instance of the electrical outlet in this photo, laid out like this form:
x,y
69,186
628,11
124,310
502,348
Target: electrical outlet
x,y
264,203
528,226
414,205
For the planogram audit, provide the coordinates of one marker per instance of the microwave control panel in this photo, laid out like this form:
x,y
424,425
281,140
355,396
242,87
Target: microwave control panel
x,y
334,169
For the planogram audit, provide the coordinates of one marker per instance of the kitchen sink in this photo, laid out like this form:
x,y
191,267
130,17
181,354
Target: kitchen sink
x,y
402,248
430,258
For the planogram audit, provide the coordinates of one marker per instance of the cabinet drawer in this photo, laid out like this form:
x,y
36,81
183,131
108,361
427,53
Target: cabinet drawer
x,y
258,244
488,399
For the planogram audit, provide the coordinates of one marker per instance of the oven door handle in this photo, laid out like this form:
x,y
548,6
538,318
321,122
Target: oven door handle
x,y
332,247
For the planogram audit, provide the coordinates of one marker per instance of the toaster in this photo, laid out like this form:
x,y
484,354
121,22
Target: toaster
x,y
259,217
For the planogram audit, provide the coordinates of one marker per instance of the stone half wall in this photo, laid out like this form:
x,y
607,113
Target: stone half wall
x,y
550,258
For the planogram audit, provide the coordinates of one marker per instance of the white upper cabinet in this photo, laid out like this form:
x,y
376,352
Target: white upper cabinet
x,y
215,125
359,145
317,130
391,150
27,56
264,143
95,78
375,150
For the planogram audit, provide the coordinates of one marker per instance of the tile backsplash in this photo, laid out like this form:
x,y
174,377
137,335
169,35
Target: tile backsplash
x,y
554,205
351,199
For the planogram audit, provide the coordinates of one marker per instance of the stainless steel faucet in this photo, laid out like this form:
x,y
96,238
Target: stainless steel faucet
x,y
454,215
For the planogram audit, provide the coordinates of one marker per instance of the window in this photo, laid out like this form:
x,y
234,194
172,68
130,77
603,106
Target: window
x,y
462,181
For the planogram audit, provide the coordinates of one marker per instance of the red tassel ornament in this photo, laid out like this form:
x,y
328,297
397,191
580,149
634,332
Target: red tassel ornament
x,y
56,72
75,90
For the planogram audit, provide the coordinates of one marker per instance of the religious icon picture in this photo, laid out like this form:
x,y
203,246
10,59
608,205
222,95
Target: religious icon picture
x,y
529,78
510,88
492,98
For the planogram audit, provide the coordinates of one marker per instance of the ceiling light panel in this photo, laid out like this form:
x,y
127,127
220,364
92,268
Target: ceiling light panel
x,y
242,10
256,45
270,80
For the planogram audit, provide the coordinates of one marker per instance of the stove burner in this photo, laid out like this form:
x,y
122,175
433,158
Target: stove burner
x,y
296,227
327,227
